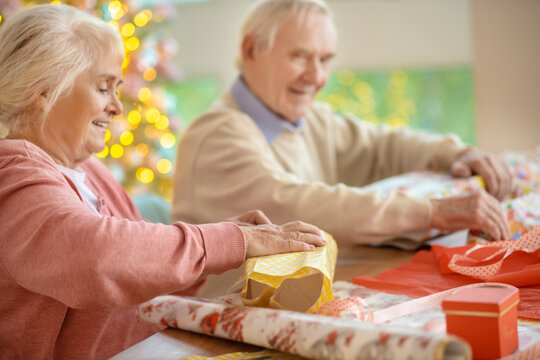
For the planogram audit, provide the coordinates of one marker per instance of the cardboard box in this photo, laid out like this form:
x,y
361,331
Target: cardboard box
x,y
486,317
300,281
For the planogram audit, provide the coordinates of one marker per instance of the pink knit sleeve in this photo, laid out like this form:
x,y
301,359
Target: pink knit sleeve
x,y
53,245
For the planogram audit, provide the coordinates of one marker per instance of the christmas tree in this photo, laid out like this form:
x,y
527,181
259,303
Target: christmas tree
x,y
141,141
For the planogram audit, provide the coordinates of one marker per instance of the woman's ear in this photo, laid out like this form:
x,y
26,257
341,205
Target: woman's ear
x,y
40,101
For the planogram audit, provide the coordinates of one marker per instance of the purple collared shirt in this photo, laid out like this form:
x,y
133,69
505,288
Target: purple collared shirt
x,y
270,123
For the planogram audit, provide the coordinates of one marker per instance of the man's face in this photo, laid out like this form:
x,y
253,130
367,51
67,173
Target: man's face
x,y
287,77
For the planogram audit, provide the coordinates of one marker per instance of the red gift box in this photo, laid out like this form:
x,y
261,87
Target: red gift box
x,y
486,317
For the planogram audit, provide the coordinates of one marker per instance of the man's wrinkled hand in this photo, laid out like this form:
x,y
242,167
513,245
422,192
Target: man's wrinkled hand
x,y
276,239
492,169
475,210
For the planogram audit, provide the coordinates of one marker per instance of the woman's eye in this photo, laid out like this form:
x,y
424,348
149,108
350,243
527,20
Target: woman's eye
x,y
103,91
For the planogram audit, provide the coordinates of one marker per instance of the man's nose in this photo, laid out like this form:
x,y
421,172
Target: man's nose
x,y
316,73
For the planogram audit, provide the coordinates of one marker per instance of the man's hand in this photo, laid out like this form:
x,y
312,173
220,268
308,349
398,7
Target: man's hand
x,y
493,170
476,210
276,239
252,217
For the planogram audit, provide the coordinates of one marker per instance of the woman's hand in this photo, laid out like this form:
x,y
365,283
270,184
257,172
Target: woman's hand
x,y
272,239
475,210
252,217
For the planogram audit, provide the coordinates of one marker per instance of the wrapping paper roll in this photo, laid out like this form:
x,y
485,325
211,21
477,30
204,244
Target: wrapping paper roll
x,y
307,335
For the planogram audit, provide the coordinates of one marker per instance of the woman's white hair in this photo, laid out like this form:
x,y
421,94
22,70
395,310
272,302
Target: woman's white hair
x,y
266,17
43,49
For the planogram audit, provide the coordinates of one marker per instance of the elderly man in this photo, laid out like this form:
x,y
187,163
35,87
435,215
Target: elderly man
x,y
266,144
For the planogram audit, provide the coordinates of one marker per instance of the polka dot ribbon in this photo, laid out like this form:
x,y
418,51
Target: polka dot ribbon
x,y
485,261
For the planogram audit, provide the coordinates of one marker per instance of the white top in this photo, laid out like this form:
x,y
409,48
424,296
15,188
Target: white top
x,y
77,177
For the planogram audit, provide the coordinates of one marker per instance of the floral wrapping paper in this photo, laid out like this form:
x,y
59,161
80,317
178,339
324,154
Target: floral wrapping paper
x,y
522,206
306,335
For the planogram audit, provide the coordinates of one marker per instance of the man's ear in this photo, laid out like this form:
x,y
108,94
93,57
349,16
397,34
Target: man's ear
x,y
249,44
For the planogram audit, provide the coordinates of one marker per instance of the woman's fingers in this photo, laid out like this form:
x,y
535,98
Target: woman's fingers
x,y
301,227
252,217
276,239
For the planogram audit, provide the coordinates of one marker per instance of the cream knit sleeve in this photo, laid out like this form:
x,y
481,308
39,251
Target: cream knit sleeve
x,y
225,167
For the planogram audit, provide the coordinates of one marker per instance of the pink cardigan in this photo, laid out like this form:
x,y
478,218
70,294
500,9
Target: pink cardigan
x,y
70,280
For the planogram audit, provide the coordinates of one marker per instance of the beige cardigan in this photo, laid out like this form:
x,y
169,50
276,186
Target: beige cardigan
x,y
225,166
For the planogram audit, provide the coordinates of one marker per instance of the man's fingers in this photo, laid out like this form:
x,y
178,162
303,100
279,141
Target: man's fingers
x,y
477,210
491,227
493,219
506,178
498,174
486,171
500,218
460,169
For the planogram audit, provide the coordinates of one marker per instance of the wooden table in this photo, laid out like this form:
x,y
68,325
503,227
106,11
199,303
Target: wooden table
x,y
176,344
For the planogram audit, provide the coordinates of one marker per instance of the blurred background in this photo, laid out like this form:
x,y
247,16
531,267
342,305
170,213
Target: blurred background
x,y
469,67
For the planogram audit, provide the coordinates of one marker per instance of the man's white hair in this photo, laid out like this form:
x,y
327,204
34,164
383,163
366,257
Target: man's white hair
x,y
267,16
43,49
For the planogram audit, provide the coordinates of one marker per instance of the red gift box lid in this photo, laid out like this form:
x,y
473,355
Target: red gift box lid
x,y
492,299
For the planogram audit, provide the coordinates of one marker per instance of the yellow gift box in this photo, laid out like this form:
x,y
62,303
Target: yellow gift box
x,y
300,281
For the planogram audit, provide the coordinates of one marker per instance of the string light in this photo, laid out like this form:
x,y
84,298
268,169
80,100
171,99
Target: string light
x,y
152,115
132,43
126,138
144,94
167,140
148,14
128,29
117,151
162,123
125,63
145,175
103,153
107,135
134,117
141,19
141,150
164,166
116,9
114,6
149,74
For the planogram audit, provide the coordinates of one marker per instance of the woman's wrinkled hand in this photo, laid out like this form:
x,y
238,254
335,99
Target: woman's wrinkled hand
x,y
272,239
474,210
251,217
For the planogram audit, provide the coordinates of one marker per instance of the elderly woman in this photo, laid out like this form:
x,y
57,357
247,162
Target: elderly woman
x,y
76,257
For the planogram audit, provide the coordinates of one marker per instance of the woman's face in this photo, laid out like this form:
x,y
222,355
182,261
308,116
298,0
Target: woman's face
x,y
76,126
